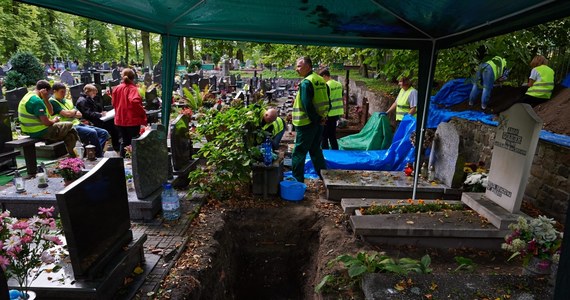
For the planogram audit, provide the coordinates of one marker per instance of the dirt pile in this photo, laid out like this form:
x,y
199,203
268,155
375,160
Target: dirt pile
x,y
553,113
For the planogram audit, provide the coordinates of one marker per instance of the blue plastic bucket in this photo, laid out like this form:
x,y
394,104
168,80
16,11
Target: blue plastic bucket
x,y
292,190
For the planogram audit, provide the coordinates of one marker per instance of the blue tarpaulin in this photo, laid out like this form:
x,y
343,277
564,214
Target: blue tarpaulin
x,y
401,150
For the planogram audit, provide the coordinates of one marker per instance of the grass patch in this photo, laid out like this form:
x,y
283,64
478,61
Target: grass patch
x,y
411,207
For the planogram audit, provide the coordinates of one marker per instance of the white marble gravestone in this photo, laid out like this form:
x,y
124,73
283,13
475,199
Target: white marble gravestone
x,y
513,152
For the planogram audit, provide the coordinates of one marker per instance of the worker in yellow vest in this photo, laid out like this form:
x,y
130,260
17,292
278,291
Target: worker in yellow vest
x,y
66,111
310,110
488,72
274,126
406,102
334,89
540,82
33,112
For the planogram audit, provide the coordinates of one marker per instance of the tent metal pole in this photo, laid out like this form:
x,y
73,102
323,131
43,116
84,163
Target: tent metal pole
x,y
428,57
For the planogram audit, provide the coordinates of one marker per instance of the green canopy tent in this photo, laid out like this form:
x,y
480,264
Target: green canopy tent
x,y
427,26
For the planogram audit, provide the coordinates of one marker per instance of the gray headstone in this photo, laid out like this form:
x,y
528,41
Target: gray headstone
x,y
67,78
156,72
150,162
226,68
106,66
73,67
180,143
447,155
513,152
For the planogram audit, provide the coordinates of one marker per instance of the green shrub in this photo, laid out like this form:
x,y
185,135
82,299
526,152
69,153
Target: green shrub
x,y
27,71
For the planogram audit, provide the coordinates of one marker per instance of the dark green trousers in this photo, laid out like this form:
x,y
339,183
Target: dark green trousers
x,y
308,140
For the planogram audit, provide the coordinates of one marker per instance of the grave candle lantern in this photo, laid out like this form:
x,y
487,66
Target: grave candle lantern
x,y
19,182
90,152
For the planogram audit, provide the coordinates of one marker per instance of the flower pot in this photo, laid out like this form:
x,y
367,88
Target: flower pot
x,y
537,266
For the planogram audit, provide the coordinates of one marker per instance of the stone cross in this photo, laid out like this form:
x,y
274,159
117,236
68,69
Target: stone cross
x,y
516,139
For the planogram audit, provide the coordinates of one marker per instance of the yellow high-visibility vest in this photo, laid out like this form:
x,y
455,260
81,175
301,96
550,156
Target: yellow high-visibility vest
x,y
543,88
29,123
337,105
402,106
320,101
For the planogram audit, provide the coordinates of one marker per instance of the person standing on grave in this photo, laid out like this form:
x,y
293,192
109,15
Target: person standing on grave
x,y
64,109
310,110
274,125
129,111
334,89
406,102
540,82
33,112
92,111
487,73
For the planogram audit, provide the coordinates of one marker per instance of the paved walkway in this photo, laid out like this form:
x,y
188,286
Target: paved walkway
x,y
166,239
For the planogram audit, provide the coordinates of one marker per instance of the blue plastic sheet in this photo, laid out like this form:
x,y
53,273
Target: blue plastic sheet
x,y
401,151
453,92
566,81
394,158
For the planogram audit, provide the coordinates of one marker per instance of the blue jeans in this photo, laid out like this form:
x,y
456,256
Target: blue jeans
x,y
93,135
277,139
486,78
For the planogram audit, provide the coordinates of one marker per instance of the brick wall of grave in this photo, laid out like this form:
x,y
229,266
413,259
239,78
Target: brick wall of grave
x,y
548,186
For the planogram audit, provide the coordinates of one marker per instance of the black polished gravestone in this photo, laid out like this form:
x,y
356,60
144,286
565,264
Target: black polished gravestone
x,y
114,83
86,77
75,91
95,217
13,97
203,83
181,150
151,98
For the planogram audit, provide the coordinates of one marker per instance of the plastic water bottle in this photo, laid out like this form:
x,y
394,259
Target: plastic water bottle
x,y
170,203
268,152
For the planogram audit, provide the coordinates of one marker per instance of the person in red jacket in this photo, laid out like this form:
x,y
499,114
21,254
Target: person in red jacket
x,y
129,111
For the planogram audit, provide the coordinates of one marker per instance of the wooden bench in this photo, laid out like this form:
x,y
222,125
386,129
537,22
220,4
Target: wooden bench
x,y
28,146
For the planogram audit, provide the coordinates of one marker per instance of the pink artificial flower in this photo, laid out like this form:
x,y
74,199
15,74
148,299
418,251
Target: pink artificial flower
x,y
26,239
52,238
20,225
48,212
4,262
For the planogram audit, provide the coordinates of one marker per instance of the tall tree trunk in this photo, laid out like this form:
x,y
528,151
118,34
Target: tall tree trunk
x,y
137,56
363,67
126,47
147,57
239,55
181,51
190,48
88,41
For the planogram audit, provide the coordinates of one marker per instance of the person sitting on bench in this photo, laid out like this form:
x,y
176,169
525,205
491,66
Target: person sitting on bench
x,y
33,112
64,109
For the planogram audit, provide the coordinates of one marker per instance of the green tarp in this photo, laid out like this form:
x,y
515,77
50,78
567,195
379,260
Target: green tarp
x,y
375,135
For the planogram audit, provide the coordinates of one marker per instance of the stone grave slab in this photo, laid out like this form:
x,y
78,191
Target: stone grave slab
x,y
25,205
492,211
180,144
515,143
150,162
381,184
451,229
447,155
67,78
